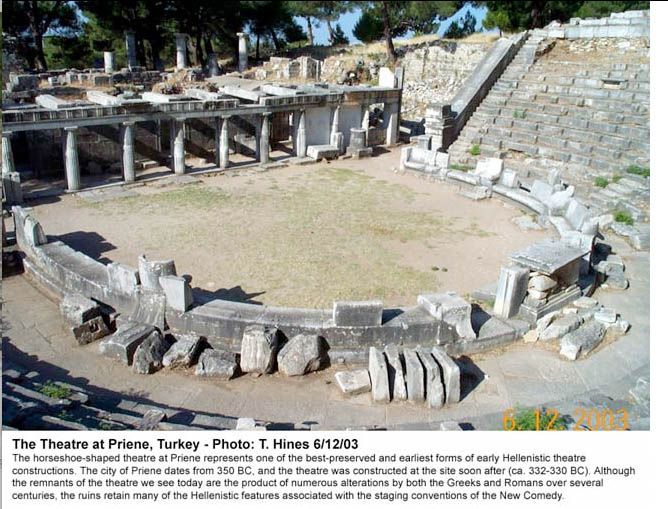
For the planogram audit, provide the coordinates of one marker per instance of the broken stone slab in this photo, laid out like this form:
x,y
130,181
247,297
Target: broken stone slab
x,y
318,152
149,354
149,308
51,102
396,374
353,382
560,327
620,327
151,420
246,424
76,309
451,375
511,290
450,426
582,340
585,303
259,348
414,376
178,293
451,309
509,178
489,168
151,271
542,283
183,352
123,343
122,278
380,382
302,354
545,321
91,330
433,383
606,316
34,234
358,314
217,363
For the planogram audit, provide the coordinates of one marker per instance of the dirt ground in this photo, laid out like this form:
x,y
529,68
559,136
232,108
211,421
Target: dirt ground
x,y
301,236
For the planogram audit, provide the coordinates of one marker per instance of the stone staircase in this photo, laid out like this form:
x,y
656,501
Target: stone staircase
x,y
584,115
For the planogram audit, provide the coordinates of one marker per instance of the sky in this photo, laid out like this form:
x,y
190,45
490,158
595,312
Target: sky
x,y
348,20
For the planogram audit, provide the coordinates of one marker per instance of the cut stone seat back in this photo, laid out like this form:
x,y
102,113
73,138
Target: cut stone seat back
x,y
421,159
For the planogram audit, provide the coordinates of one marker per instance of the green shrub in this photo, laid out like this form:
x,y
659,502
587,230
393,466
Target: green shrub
x,y
525,419
461,167
616,178
638,170
54,390
601,182
519,114
622,216
475,150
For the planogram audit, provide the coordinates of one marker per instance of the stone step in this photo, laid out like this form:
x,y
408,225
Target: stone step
x,y
556,79
602,73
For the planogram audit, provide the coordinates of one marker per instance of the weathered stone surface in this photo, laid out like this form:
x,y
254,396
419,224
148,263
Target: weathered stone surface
x,y
560,327
451,309
34,234
151,420
542,283
544,322
122,344
302,354
450,426
177,292
380,383
606,316
358,314
148,356
414,377
489,169
547,256
217,363
585,303
183,352
509,178
150,272
77,309
433,382
91,330
451,375
149,308
353,382
122,278
259,348
247,424
395,369
582,340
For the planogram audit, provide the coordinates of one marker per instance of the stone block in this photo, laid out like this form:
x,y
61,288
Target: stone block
x,y
358,313
122,278
380,383
606,316
542,283
395,369
560,327
149,308
150,272
318,152
451,375
123,343
414,377
386,78
178,293
511,290
259,349
577,214
91,330
509,178
582,340
302,354
217,363
541,190
451,309
353,382
148,356
489,169
33,232
76,309
434,389
183,352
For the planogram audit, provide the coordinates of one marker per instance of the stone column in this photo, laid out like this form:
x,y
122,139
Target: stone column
x,y
301,133
265,147
109,61
511,290
223,143
181,49
178,146
7,154
72,160
336,136
131,49
391,117
365,117
214,70
128,144
257,120
243,52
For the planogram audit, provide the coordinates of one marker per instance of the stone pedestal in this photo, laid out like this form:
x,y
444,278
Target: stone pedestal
x,y
243,52
128,144
223,143
357,147
72,171
424,142
264,138
180,51
212,61
131,49
178,146
511,291
7,154
109,61
391,120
